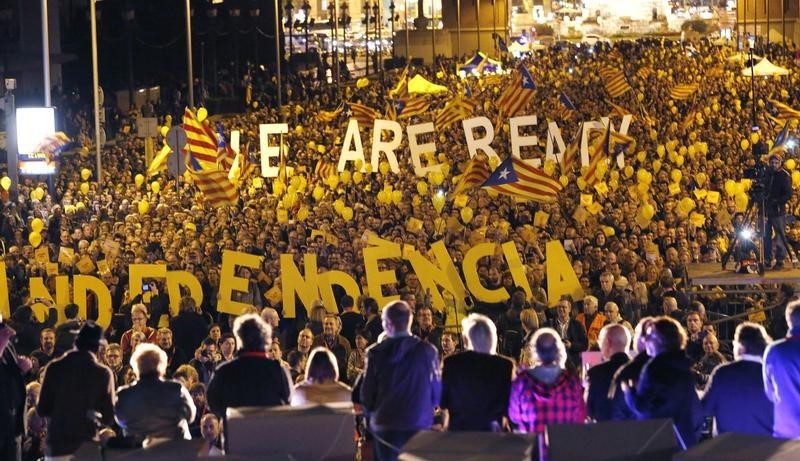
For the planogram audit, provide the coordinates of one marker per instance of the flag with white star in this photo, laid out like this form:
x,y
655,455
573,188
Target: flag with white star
x,y
520,180
518,94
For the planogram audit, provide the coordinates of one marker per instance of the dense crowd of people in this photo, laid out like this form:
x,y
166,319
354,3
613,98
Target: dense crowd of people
x,y
631,267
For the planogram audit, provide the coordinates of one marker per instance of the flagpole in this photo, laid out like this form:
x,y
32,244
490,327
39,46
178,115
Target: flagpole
x,y
478,21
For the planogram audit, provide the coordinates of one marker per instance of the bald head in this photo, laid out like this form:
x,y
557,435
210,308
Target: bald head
x,y
614,338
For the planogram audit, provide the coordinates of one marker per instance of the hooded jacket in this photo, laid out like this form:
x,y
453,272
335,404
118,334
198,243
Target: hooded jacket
x,y
402,384
539,398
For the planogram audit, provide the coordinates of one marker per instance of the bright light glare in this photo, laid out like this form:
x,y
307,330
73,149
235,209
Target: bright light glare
x,y
746,234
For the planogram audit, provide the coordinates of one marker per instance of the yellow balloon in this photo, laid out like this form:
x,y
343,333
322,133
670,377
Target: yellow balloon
x,y
202,114
581,183
333,181
754,137
466,214
660,150
791,164
549,167
321,149
383,167
5,182
347,213
86,174
139,180
144,207
299,130
84,188
368,168
701,178
278,188
564,180
422,187
627,171
397,197
345,177
35,239
357,177
318,193
39,193
648,211
338,206
730,187
37,225
656,165
676,175
155,186
438,202
744,144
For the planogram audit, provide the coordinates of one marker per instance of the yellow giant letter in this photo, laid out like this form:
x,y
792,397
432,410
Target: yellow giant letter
x,y
229,281
376,279
84,283
327,280
470,266
432,276
292,282
561,278
177,279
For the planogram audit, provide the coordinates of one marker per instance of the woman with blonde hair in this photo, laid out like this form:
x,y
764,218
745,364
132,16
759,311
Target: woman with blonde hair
x,y
322,381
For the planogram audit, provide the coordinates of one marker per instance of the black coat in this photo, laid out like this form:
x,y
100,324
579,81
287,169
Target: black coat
x,y
579,341
666,390
779,190
188,331
251,379
12,395
74,385
475,390
598,405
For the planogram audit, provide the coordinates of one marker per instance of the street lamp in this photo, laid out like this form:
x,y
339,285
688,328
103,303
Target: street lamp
x,y
366,9
394,19
344,8
306,8
376,11
96,91
751,40
290,25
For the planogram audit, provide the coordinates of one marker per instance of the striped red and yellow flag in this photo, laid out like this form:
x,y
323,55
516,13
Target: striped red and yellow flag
x,y
365,115
688,121
615,81
329,115
215,186
784,112
324,169
455,110
644,72
201,140
414,106
518,94
570,159
683,91
616,109
476,172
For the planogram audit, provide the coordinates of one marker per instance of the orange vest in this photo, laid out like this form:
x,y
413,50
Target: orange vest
x,y
593,330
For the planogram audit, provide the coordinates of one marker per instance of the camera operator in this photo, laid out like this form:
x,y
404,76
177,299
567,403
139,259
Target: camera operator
x,y
778,191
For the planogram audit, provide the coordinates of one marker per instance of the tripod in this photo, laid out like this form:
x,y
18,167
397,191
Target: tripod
x,y
755,213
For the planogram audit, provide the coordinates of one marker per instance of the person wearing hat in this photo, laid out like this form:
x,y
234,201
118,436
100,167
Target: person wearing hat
x,y
778,184
12,394
77,390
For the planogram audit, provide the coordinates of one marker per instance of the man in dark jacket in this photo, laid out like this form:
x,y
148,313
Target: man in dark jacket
x,y
12,394
778,190
666,385
75,387
401,384
476,383
614,340
572,333
735,392
189,327
252,378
